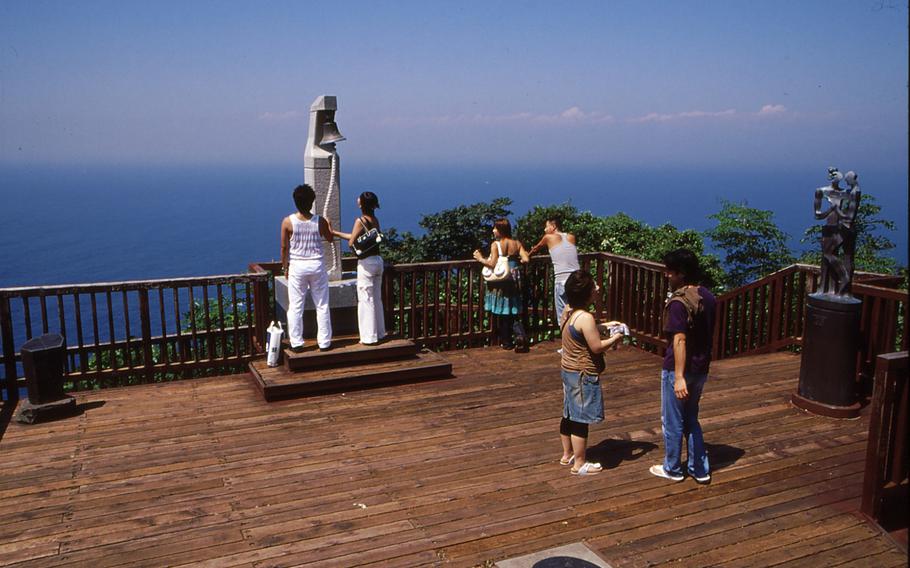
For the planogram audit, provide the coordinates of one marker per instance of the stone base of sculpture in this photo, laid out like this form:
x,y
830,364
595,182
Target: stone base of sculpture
x,y
827,375
342,303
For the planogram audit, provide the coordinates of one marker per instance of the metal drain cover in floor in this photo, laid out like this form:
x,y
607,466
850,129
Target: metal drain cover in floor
x,y
575,555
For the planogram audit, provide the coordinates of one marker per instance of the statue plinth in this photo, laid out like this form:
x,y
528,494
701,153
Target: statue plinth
x,y
827,374
342,303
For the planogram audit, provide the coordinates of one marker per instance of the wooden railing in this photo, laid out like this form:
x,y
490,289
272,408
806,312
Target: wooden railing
x,y
635,294
885,482
768,315
440,304
141,331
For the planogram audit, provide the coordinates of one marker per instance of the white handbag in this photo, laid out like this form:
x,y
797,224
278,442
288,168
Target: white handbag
x,y
499,272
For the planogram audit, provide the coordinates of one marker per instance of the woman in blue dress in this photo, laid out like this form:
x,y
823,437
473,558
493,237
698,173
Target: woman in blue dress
x,y
504,297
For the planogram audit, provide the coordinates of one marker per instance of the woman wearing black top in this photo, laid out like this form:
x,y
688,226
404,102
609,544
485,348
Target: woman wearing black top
x,y
370,317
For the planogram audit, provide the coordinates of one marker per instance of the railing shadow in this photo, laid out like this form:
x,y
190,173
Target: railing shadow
x,y
611,452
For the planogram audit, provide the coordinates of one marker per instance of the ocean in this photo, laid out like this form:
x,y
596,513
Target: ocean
x,y
72,224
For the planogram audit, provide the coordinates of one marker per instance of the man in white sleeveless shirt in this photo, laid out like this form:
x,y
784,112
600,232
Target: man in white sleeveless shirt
x,y
564,256
301,260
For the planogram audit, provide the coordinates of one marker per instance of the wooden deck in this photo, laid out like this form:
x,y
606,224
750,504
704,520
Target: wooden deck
x,y
458,472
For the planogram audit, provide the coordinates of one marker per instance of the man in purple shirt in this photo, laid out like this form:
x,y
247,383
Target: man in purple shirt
x,y
689,325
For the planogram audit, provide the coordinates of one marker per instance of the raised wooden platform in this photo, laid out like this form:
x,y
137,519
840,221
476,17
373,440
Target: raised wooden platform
x,y
455,472
347,351
348,365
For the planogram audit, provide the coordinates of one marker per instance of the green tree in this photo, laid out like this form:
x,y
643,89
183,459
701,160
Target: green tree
x,y
753,245
450,234
455,233
623,235
529,227
871,240
401,248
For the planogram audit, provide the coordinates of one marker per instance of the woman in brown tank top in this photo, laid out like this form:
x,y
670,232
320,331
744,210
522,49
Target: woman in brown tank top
x,y
582,364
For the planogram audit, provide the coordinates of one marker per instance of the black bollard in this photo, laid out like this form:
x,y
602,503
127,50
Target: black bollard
x,y
43,361
827,374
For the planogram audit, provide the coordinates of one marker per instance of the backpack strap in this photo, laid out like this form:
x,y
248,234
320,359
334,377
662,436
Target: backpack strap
x,y
689,297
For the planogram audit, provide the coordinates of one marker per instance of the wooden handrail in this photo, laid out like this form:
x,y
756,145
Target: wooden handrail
x,y
105,322
886,453
127,285
439,304
763,316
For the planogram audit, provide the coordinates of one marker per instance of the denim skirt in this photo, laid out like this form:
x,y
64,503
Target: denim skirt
x,y
583,400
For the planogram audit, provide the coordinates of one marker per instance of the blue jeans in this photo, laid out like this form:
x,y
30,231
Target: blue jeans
x,y
679,419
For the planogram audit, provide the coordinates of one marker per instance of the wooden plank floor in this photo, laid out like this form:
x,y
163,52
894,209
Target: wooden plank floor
x,y
457,472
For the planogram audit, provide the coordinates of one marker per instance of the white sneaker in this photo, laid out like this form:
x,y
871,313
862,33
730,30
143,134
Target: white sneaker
x,y
702,480
559,350
659,471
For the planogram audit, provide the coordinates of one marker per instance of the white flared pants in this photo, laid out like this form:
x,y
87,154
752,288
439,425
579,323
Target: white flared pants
x,y
303,276
370,316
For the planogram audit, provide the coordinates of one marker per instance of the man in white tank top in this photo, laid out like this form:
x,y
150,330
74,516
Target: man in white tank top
x,y
564,256
301,261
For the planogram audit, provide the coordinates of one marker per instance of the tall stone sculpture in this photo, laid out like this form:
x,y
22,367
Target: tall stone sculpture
x,y
827,376
322,171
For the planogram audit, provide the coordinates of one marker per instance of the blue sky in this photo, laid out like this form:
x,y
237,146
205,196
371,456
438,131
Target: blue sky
x,y
702,84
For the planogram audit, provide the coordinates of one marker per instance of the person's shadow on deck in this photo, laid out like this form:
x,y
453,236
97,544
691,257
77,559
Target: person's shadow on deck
x,y
610,452
722,455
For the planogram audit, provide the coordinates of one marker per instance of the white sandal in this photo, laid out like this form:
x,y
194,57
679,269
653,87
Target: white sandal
x,y
589,468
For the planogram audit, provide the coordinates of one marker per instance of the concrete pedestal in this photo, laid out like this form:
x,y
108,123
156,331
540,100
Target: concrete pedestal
x,y
827,375
342,302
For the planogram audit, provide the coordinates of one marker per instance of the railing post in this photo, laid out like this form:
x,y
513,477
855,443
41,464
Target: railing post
x,y
146,326
262,311
388,302
889,369
9,351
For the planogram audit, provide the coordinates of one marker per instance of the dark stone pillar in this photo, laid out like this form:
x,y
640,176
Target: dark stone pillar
x,y
827,374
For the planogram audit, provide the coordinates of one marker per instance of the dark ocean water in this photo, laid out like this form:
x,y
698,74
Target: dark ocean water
x,y
68,224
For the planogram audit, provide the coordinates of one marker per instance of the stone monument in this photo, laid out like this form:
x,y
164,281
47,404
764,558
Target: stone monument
x,y
322,172
827,376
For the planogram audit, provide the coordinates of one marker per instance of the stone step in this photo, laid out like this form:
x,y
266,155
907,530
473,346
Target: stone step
x,y
279,383
347,351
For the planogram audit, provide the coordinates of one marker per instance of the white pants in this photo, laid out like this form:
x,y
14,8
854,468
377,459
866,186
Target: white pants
x,y
309,275
370,316
559,295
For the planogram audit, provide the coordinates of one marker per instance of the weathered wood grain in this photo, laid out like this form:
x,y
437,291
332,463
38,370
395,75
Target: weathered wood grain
x,y
454,472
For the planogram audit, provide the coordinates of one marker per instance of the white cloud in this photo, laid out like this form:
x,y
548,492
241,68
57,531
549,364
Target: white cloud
x,y
281,116
662,117
575,115
768,110
572,114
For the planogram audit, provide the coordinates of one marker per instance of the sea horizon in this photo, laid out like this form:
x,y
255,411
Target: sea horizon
x,y
71,223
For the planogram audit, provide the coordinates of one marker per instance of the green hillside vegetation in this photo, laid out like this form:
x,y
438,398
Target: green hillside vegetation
x,y
744,244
